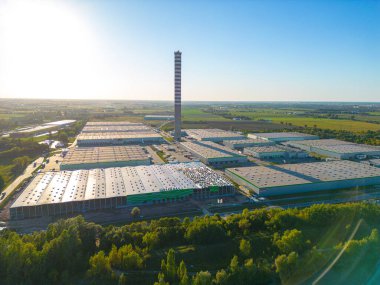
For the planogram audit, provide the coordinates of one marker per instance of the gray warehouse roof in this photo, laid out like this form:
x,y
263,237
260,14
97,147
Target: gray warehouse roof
x,y
246,141
202,134
304,173
124,123
262,176
282,135
79,185
204,151
83,155
118,135
271,149
110,129
338,146
210,149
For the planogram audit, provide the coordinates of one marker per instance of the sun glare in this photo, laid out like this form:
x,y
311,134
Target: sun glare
x,y
47,51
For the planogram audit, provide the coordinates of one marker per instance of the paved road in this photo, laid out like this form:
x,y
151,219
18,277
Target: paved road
x,y
53,165
155,158
26,174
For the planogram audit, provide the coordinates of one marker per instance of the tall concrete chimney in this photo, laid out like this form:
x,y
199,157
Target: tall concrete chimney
x,y
177,95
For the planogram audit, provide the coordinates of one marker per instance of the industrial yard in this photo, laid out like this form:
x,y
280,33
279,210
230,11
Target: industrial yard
x,y
215,135
304,177
283,136
214,154
110,168
102,157
338,149
240,144
67,192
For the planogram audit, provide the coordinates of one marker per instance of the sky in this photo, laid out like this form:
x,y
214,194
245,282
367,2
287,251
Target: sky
x,y
284,50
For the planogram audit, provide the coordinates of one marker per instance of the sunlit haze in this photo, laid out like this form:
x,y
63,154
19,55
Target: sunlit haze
x,y
237,50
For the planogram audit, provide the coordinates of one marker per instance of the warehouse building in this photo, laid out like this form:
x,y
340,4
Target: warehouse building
x,y
304,177
108,124
338,149
113,129
283,136
159,117
214,135
213,154
275,152
240,144
66,192
119,138
103,157
42,129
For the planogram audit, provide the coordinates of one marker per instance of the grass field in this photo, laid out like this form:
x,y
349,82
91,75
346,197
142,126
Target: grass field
x,y
197,114
348,125
300,118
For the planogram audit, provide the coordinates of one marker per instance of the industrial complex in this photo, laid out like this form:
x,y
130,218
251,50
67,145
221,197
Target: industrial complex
x,y
275,151
118,138
117,133
304,177
283,136
112,129
65,192
215,135
242,143
337,148
103,157
120,164
213,154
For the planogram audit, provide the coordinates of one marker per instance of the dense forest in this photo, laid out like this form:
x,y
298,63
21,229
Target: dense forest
x,y
264,246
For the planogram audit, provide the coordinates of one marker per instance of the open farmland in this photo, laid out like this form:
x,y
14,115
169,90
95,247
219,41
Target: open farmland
x,y
348,125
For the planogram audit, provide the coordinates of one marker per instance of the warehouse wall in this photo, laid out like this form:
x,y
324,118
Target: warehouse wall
x,y
105,164
304,188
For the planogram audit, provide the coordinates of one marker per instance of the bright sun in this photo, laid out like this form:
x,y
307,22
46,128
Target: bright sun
x,y
47,50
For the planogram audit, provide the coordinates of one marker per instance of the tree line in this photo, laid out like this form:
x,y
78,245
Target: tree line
x,y
265,247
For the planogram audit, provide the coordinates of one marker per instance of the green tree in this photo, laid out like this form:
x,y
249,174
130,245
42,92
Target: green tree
x,y
206,230
122,279
161,280
245,248
182,274
19,164
234,264
100,268
202,278
221,277
286,264
63,137
135,212
2,183
291,240
171,269
151,239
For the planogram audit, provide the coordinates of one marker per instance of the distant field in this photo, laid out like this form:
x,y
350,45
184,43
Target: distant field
x,y
354,126
197,114
250,126
293,117
8,116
